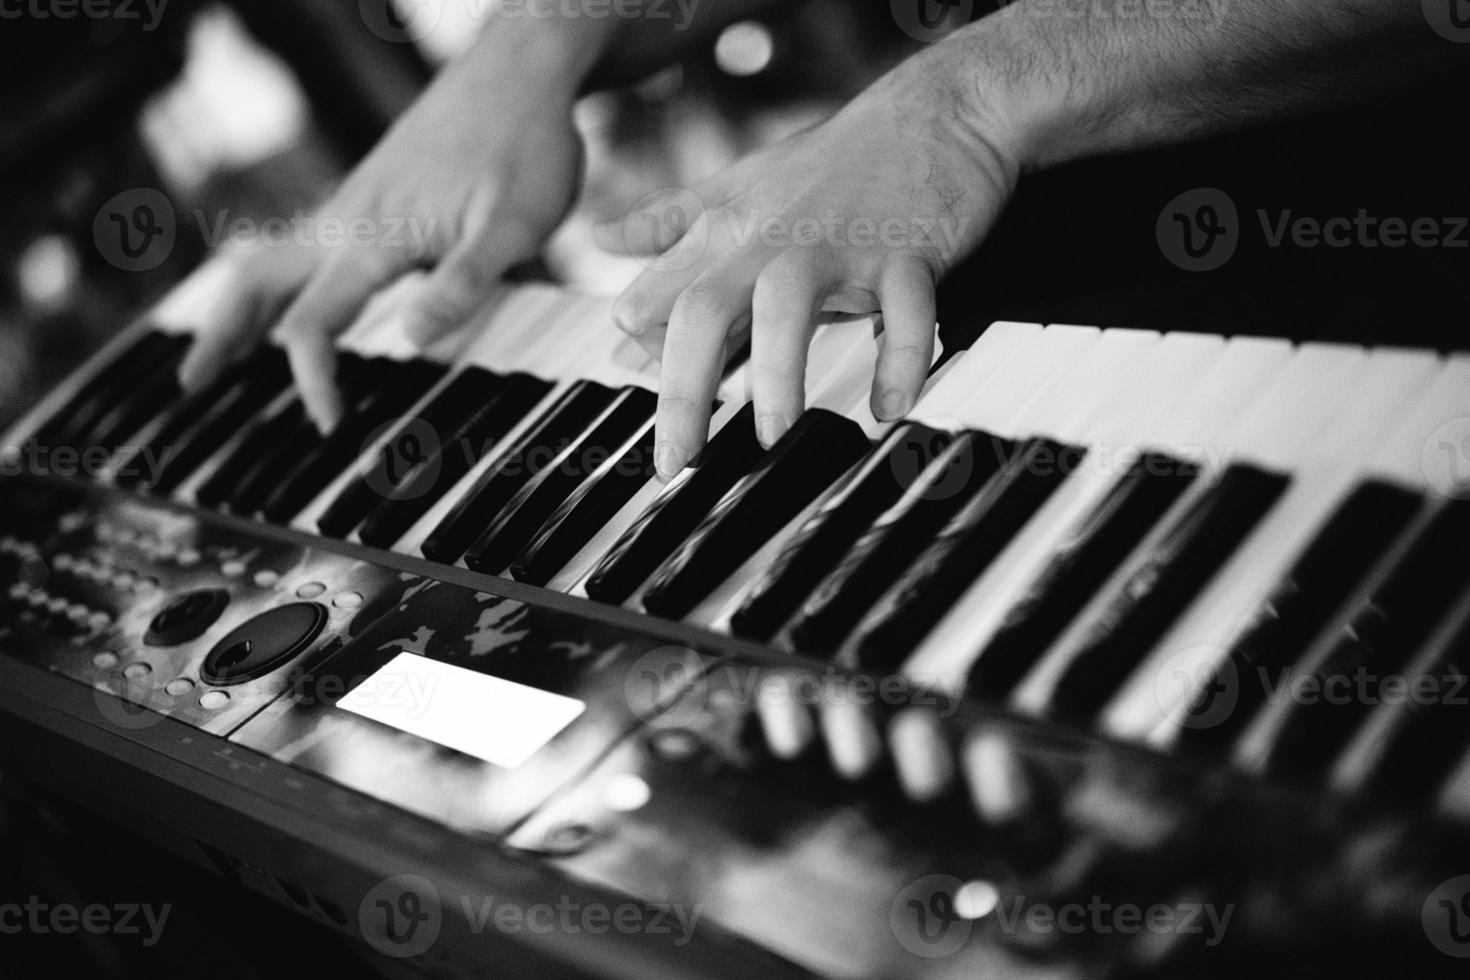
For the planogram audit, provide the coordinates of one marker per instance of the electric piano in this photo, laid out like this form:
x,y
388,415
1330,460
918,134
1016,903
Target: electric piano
x,y
1126,654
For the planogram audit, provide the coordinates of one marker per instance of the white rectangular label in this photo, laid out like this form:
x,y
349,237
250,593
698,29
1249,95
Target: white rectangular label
x,y
500,721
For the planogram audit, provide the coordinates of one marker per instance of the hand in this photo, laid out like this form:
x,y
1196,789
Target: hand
x,y
861,214
471,180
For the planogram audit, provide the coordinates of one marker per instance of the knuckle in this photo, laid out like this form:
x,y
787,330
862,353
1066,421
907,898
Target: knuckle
x,y
704,299
632,312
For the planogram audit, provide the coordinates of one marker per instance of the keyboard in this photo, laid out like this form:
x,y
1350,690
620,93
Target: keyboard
x,y
1126,654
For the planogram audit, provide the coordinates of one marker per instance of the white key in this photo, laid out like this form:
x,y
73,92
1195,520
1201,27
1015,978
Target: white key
x,y
1008,394
1161,385
1401,460
971,370
1153,704
1290,411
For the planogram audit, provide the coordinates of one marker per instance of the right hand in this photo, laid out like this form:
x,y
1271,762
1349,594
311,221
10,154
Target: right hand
x,y
484,166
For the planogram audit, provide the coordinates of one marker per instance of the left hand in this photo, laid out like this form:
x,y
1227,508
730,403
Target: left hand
x,y
861,214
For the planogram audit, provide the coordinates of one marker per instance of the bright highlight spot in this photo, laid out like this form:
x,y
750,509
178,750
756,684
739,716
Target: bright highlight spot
x,y
976,900
745,48
626,792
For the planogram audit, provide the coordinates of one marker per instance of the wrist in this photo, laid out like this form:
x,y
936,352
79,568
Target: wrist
x,y
548,58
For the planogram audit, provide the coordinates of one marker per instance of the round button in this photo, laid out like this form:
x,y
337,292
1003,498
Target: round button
x,y
179,686
233,568
310,590
99,620
106,660
137,671
123,580
186,616
145,585
213,700
265,578
189,556
348,600
261,644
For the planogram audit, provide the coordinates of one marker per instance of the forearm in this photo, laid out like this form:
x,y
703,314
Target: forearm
x,y
1064,79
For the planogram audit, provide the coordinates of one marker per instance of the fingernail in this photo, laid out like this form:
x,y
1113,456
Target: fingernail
x,y
769,429
669,459
892,405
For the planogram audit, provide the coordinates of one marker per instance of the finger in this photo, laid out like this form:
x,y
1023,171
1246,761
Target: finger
x,y
642,311
653,225
462,282
468,273
327,306
788,294
906,294
252,298
692,359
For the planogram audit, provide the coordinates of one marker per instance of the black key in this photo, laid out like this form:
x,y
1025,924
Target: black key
x,y
966,546
819,544
1081,565
466,394
153,392
294,437
138,468
804,464
1159,589
435,475
1375,643
894,541
105,390
400,385
1430,729
587,511
203,423
235,473
1352,542
670,519
528,510
563,422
